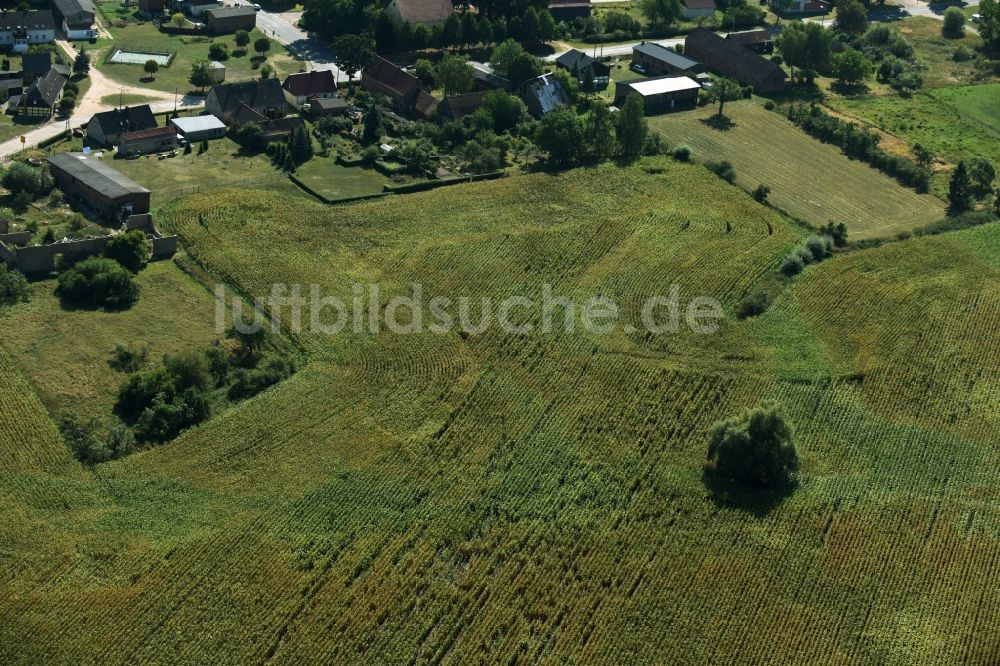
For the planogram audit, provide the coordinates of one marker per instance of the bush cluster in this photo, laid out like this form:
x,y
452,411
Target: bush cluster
x,y
160,402
98,282
812,250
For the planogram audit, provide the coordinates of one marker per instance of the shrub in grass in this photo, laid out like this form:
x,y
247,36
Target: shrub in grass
x,y
100,283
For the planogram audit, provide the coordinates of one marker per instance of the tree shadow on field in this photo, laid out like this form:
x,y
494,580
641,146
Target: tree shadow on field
x,y
721,123
729,494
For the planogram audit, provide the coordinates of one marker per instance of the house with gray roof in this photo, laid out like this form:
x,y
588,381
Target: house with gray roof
x,y
652,59
77,17
263,96
20,29
543,94
577,63
106,128
41,97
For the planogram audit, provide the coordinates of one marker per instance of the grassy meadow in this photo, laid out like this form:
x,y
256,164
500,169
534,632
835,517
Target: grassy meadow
x,y
811,180
189,49
335,181
538,498
65,352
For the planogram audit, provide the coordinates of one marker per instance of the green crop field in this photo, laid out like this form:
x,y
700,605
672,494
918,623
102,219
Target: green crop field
x,y
538,498
811,180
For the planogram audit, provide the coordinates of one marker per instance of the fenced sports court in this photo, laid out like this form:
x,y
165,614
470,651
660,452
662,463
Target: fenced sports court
x,y
126,56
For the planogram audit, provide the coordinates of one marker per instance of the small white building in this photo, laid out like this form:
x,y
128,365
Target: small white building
x,y
21,29
199,128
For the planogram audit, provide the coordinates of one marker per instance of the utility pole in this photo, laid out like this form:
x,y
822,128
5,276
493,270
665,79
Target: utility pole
x,y
175,101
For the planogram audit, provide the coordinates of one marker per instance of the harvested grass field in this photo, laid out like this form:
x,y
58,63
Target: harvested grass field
x,y
811,180
538,498
65,353
334,181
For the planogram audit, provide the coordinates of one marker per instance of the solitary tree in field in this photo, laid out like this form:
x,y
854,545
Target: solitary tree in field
x,y
960,189
725,90
262,45
242,40
954,22
852,67
151,67
755,448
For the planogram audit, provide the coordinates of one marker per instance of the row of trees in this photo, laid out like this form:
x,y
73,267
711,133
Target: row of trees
x,y
569,140
861,143
465,29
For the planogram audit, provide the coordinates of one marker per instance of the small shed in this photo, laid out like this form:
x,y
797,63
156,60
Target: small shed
x,y
199,128
218,70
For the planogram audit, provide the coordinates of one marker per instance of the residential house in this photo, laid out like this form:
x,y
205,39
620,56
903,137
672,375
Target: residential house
x,y
77,17
659,94
652,59
41,97
692,10
758,41
278,129
576,62
543,94
484,78
402,89
112,194
567,10
730,59
329,106
263,96
143,142
20,29
199,128
34,66
456,107
225,20
105,128
427,12
307,86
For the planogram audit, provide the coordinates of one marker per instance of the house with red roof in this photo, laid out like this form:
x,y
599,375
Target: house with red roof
x,y
305,86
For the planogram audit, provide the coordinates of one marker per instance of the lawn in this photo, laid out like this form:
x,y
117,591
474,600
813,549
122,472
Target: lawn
x,y
222,165
129,99
334,181
190,49
65,352
811,180
539,498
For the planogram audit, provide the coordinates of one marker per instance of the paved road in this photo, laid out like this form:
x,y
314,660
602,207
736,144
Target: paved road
x,y
310,49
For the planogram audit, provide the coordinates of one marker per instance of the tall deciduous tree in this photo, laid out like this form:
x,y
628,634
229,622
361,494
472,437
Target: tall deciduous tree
x,y
852,17
560,135
599,132
852,67
806,46
960,189
352,53
661,12
454,74
725,90
632,127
